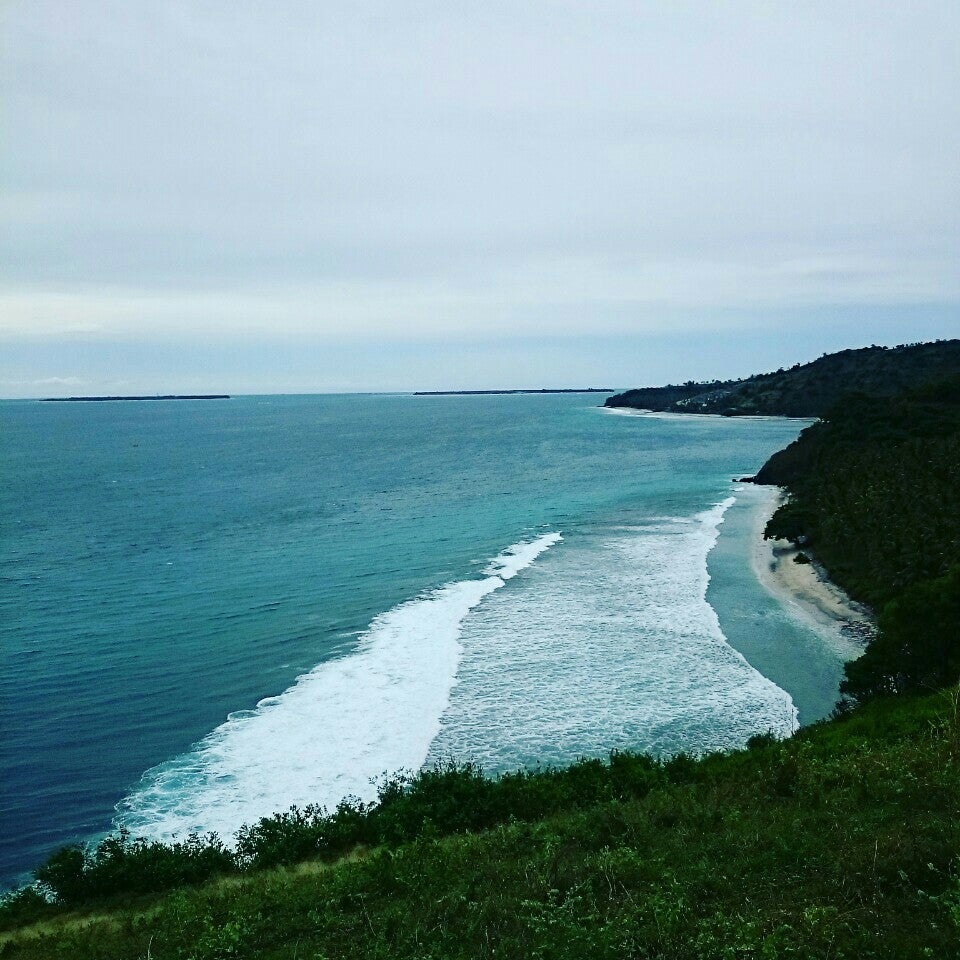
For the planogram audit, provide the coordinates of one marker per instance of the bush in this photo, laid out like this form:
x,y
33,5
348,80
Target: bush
x,y
918,642
23,907
121,866
790,522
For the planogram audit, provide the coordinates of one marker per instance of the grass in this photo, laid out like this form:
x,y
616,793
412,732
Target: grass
x,y
843,842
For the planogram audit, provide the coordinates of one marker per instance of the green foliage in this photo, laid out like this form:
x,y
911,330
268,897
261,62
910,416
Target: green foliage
x,y
78,875
841,843
918,643
806,390
447,799
792,522
874,493
64,874
300,834
24,906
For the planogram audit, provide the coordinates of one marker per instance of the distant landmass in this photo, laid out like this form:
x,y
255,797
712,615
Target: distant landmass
x,y
168,396
479,393
805,390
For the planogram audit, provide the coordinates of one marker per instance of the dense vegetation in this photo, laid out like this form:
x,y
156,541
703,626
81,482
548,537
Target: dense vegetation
x,y
875,496
451,798
805,390
842,842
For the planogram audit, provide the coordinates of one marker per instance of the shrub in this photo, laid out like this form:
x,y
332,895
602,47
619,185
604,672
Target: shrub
x,y
120,865
24,906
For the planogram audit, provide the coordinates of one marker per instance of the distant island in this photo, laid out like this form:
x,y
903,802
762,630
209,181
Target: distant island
x,y
168,396
805,390
482,393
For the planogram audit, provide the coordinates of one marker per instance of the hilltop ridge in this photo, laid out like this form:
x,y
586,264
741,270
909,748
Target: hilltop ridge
x,y
807,389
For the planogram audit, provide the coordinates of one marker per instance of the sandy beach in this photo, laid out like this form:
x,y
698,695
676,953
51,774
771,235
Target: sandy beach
x,y
803,588
676,415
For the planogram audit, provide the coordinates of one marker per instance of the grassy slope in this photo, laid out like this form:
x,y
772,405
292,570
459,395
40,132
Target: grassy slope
x,y
806,390
842,842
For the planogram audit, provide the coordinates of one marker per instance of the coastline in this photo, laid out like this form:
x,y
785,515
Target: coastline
x,y
803,651
803,588
677,415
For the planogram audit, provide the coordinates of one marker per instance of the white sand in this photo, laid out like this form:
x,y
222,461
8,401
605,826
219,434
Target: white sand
x,y
803,588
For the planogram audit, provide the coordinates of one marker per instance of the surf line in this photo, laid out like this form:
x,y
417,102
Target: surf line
x,y
336,730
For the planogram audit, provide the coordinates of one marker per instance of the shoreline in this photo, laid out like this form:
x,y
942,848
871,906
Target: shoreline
x,y
801,650
676,415
804,588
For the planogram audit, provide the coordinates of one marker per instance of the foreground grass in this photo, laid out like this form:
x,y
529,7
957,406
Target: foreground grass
x,y
840,843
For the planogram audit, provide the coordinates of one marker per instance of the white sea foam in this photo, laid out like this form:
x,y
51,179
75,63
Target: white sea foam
x,y
677,415
609,644
337,729
626,411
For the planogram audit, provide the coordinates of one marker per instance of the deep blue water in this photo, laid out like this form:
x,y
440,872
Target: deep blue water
x,y
167,565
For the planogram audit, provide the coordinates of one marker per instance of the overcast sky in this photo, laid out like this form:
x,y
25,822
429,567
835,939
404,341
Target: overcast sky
x,y
302,196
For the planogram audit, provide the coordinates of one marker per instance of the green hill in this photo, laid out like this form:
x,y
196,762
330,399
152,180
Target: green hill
x,y
842,842
875,495
805,390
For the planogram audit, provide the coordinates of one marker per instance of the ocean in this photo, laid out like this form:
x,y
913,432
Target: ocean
x,y
212,610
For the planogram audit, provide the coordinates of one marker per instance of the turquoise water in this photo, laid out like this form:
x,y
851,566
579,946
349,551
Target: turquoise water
x,y
514,579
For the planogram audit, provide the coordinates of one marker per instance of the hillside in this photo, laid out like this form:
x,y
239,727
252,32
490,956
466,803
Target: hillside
x,y
839,843
875,496
805,390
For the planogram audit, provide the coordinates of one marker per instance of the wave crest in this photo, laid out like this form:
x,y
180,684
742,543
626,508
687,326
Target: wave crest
x,y
336,730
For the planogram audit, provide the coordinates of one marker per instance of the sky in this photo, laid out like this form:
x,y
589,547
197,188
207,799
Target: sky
x,y
292,196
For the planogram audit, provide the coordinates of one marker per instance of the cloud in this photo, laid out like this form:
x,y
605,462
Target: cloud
x,y
46,382
184,172
549,295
